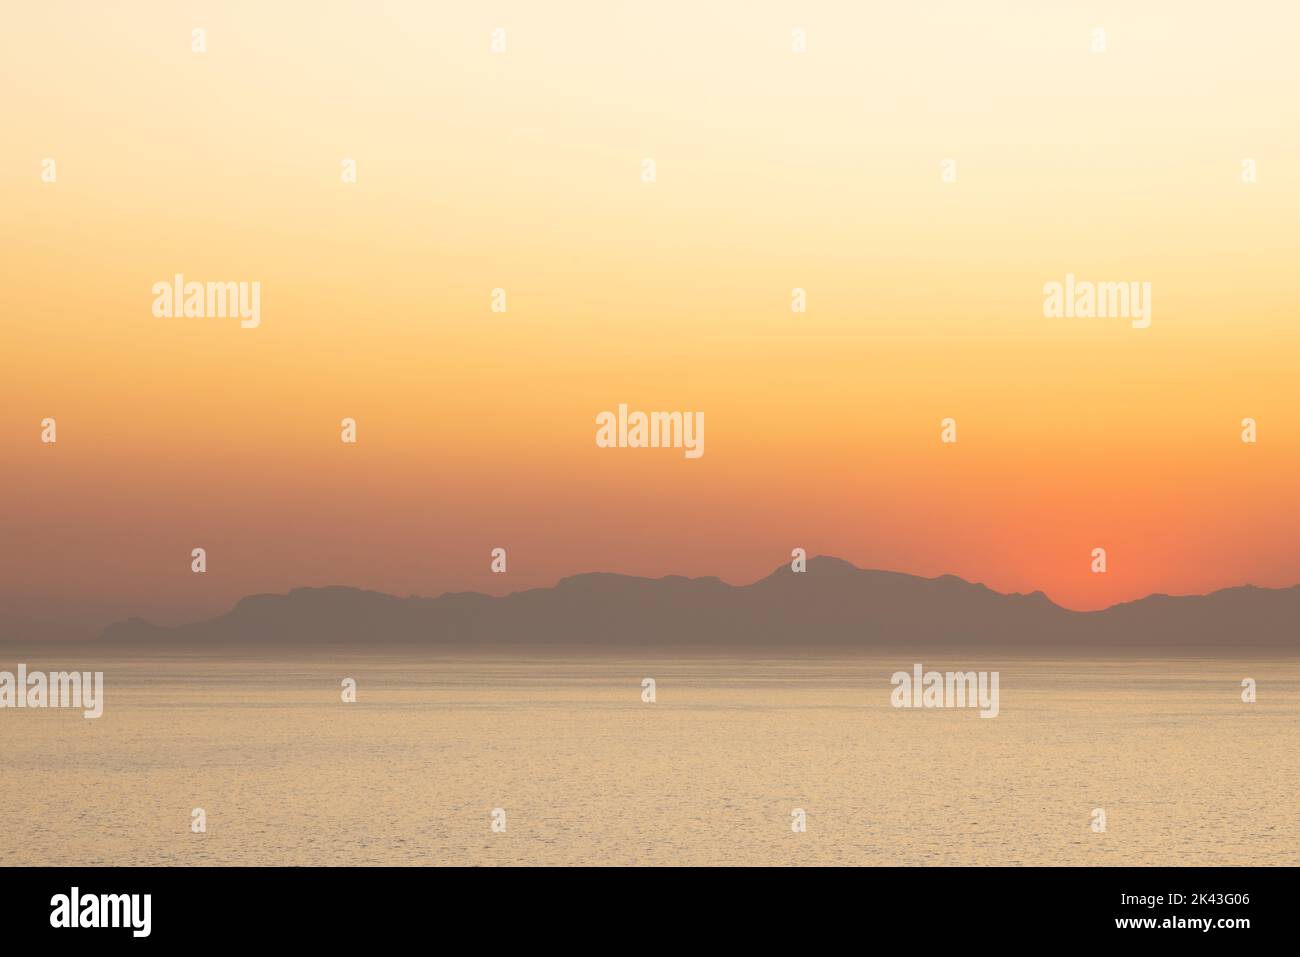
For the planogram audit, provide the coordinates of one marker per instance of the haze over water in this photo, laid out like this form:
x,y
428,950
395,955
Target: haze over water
x,y
287,773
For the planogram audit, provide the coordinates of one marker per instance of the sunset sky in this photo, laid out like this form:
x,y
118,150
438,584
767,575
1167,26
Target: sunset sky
x,y
522,170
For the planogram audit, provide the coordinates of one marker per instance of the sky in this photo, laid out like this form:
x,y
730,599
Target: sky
x,y
523,170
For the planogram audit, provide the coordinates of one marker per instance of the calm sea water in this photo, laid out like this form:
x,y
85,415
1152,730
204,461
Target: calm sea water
x,y
708,774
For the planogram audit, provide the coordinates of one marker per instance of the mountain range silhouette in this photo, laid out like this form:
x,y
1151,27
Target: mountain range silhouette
x,y
832,604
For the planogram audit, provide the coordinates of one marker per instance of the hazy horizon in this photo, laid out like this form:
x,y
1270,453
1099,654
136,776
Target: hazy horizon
x,y
11,635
